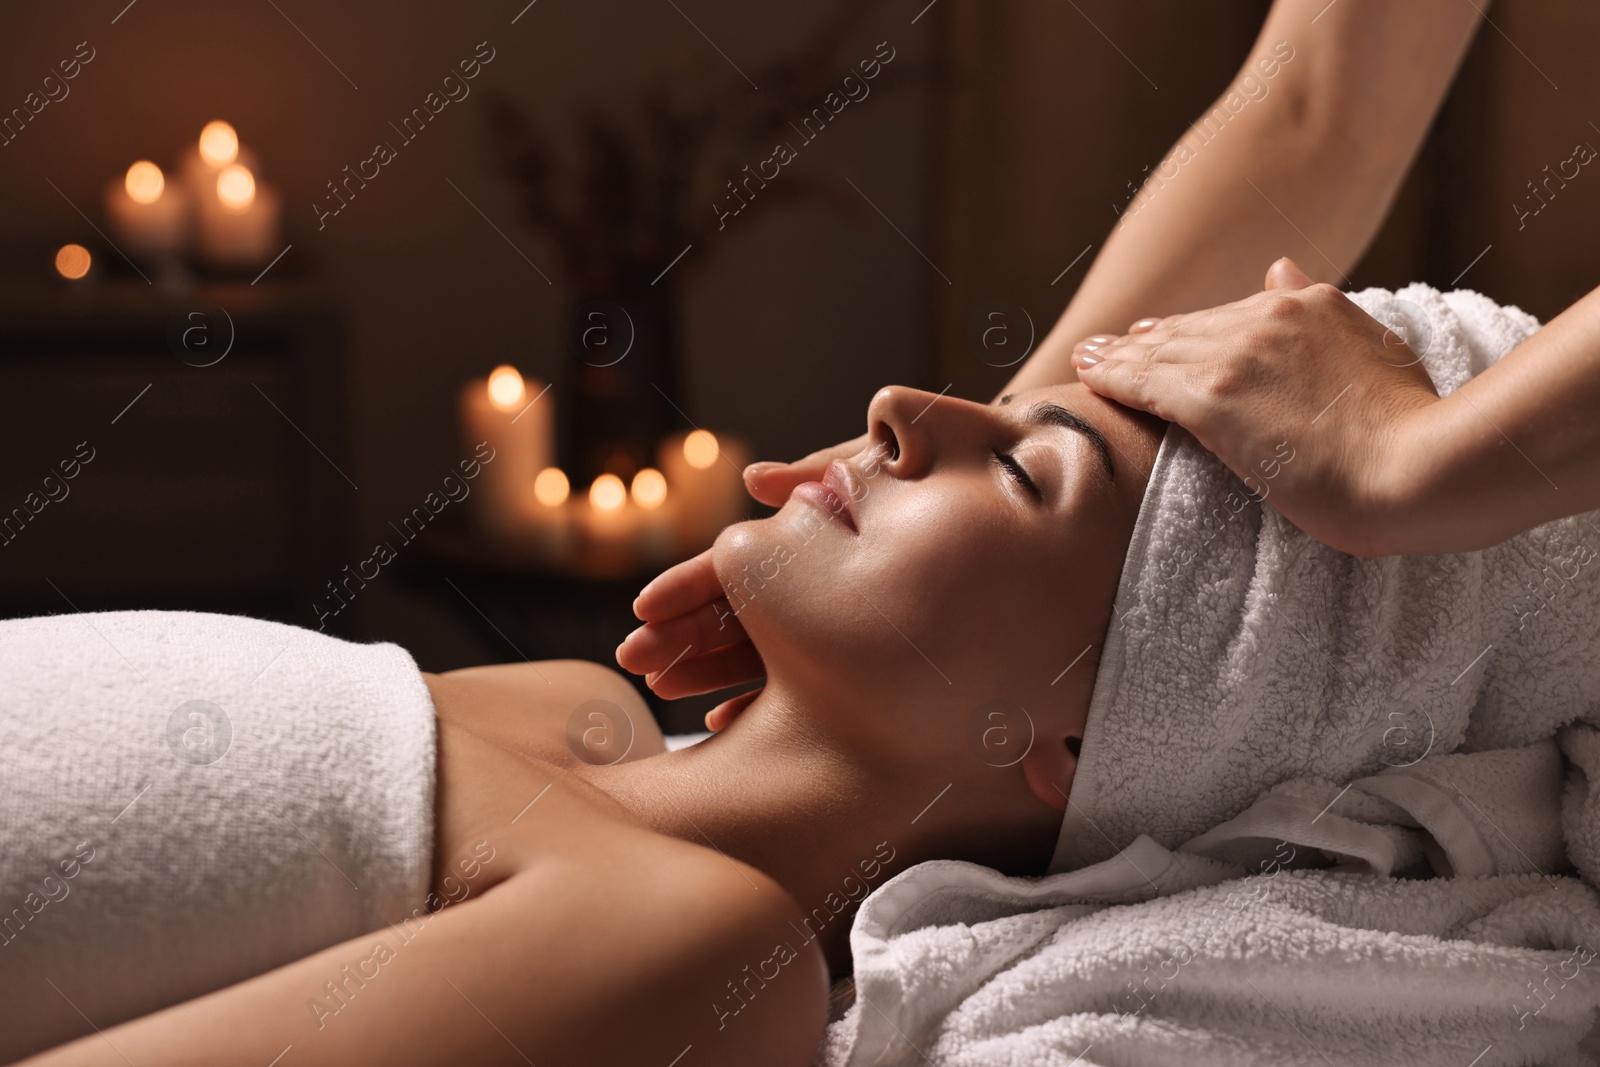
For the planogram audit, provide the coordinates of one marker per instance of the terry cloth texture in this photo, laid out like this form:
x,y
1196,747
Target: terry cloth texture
x,y
1244,653
193,799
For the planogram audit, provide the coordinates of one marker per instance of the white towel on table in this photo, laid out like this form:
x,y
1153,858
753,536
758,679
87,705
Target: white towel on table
x,y
190,800
958,965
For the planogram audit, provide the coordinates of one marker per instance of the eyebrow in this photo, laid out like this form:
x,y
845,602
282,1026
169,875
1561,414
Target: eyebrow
x,y
1046,413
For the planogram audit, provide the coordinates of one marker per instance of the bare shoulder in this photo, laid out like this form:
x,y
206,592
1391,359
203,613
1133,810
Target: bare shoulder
x,y
670,946
553,710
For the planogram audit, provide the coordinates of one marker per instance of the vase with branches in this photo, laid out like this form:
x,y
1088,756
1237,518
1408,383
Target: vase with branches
x,y
630,214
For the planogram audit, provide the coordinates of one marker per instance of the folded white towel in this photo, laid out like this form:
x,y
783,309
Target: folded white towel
x,y
1244,653
193,799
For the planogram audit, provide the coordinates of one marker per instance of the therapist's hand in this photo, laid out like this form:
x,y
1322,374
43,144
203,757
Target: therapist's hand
x,y
691,641
771,483
1302,394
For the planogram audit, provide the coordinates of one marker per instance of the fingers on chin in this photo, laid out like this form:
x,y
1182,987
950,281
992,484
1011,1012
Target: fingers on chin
x,y
707,673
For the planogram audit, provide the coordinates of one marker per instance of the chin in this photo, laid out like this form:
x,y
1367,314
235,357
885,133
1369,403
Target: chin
x,y
751,559
779,575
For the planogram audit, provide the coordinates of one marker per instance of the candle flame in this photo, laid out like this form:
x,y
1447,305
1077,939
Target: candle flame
x,y
649,488
236,188
700,449
550,488
506,388
144,182
607,492
219,144
72,261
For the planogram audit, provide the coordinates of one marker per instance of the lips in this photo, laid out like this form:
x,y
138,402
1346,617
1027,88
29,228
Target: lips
x,y
835,494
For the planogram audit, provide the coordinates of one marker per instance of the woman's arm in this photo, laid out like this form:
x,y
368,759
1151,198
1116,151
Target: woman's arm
x,y
578,941
627,958
1305,162
1512,448
1308,169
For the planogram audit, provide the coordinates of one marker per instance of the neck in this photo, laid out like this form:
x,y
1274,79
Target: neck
x,y
827,824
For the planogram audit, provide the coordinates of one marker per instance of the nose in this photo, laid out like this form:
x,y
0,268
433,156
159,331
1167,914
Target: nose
x,y
909,428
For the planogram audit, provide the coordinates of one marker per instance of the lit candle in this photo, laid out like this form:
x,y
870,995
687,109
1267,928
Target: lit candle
x,y
548,508
705,474
240,219
658,515
149,217
217,146
219,143
610,525
508,413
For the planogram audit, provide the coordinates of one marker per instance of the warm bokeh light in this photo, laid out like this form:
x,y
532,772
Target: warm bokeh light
x,y
607,492
144,182
506,388
236,187
649,488
550,488
219,145
72,261
700,449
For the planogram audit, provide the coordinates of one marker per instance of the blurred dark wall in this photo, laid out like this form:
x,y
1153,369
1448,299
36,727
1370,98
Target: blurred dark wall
x,y
799,313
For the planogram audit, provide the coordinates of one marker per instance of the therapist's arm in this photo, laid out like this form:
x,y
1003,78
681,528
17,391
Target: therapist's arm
x,y
1514,447
1307,169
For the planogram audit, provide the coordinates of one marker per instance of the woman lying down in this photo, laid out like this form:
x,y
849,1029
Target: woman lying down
x,y
1019,634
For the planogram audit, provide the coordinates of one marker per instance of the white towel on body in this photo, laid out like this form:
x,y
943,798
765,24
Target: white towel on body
x,y
193,799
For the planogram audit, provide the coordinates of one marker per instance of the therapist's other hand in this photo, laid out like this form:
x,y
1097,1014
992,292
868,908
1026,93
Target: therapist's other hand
x,y
1302,394
691,641
771,483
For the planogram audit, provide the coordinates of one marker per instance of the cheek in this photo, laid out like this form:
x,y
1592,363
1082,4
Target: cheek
x,y
933,550
933,575
946,588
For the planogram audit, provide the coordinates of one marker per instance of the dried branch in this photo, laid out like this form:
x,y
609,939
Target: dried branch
x,y
634,204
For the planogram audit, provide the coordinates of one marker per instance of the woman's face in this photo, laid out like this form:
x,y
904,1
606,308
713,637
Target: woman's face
x,y
967,556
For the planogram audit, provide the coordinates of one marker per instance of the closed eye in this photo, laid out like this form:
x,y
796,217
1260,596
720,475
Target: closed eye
x,y
1014,468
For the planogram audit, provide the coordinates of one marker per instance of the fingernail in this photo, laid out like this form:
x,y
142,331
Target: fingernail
x,y
1083,359
1091,346
757,468
1145,324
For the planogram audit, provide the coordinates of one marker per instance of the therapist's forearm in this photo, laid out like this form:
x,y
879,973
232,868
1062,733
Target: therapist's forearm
x,y
1516,446
1205,239
1308,170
